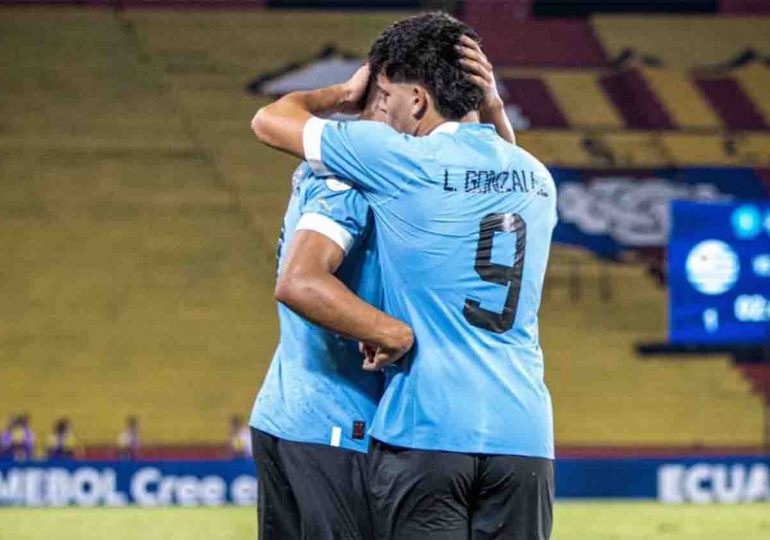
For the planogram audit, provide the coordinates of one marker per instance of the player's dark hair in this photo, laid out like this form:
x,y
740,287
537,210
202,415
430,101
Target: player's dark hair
x,y
421,50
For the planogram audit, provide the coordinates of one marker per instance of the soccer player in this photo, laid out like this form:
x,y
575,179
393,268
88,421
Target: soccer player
x,y
311,415
462,441
333,223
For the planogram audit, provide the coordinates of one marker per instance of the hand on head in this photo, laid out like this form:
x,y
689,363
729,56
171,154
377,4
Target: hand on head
x,y
355,91
478,70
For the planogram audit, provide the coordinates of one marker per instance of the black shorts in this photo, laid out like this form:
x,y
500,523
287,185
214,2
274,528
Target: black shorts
x,y
310,491
448,495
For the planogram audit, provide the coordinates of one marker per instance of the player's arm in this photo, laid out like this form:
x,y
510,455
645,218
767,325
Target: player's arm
x,y
370,154
479,70
308,286
281,124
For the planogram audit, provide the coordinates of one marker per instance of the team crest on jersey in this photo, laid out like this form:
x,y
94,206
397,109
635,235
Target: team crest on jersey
x,y
334,184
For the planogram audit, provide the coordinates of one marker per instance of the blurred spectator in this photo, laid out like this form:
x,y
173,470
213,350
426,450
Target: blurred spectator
x,y
5,438
62,443
18,440
128,440
240,438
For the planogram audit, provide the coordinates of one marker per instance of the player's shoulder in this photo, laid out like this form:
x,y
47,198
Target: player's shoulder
x,y
376,134
369,126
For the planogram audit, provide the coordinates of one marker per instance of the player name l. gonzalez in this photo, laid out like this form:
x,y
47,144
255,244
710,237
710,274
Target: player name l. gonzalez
x,y
483,181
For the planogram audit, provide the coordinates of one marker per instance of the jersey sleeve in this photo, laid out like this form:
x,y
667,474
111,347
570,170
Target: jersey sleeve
x,y
331,207
372,155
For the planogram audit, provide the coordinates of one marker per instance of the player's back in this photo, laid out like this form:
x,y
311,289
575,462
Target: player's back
x,y
315,390
464,249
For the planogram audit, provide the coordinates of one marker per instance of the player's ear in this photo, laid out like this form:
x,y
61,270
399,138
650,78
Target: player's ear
x,y
420,102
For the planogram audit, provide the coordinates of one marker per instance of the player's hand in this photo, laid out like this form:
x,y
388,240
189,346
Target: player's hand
x,y
377,357
479,70
355,91
368,351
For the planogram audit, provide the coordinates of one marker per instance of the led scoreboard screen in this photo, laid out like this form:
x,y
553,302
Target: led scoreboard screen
x,y
719,273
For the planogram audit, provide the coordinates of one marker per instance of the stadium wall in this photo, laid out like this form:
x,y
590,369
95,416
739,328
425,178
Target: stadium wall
x,y
725,480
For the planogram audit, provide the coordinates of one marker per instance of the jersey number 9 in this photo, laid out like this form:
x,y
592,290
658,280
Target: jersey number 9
x,y
499,274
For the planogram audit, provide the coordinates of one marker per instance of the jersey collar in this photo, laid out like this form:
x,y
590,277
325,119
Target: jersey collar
x,y
446,127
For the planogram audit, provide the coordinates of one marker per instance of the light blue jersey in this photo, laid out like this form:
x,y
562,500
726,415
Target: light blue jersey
x,y
464,224
315,390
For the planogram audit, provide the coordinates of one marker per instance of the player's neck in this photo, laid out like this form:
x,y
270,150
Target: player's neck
x,y
429,122
432,120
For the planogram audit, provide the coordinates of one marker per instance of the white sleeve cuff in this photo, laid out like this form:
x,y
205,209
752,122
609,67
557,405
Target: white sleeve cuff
x,y
327,227
311,141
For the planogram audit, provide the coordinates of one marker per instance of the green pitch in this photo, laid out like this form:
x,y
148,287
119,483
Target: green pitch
x,y
583,521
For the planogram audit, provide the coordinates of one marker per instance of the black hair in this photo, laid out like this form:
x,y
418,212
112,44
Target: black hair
x,y
421,50
61,425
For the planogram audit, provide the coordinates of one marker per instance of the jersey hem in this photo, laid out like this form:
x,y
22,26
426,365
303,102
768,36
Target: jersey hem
x,y
325,442
484,449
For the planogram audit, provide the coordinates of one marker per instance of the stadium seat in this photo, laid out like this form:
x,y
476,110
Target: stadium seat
x,y
670,39
582,99
758,376
681,98
140,219
755,82
535,101
632,95
604,393
555,42
563,148
141,215
687,149
635,149
734,106
754,149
